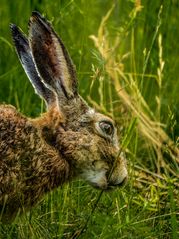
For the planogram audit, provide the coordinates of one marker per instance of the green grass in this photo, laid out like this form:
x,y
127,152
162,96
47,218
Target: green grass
x,y
129,83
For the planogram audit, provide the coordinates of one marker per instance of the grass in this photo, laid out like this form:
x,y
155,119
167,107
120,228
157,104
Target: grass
x,y
126,54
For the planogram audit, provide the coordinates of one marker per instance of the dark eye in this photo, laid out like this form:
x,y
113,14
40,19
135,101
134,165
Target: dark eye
x,y
107,127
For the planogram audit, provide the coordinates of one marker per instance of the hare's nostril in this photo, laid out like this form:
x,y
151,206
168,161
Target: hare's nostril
x,y
119,184
124,181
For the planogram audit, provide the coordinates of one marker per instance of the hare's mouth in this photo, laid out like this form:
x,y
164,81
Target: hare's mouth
x,y
110,186
100,179
121,184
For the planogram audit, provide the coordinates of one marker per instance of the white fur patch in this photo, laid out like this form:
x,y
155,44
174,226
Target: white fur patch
x,y
91,111
97,178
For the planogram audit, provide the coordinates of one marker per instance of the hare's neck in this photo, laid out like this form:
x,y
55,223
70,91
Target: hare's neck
x,y
54,169
51,119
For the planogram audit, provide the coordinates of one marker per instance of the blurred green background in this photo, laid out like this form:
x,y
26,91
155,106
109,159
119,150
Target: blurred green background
x,y
147,36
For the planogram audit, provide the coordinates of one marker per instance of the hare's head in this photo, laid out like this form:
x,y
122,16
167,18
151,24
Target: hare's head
x,y
86,139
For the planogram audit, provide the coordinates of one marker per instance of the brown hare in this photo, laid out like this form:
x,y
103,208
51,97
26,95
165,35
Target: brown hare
x,y
69,140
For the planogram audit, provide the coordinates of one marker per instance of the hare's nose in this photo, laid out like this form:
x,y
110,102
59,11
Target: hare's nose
x,y
123,182
119,184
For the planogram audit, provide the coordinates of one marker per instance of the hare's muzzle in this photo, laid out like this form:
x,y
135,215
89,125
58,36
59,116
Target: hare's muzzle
x,y
117,176
107,180
122,183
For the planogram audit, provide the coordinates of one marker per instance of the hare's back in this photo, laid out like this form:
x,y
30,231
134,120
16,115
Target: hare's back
x,y
12,122
16,147
19,141
16,133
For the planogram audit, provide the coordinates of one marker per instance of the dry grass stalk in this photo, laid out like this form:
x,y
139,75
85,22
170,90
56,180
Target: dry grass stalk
x,y
148,124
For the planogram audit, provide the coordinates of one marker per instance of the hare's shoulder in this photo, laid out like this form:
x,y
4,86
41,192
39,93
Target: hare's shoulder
x,y
17,132
12,120
8,111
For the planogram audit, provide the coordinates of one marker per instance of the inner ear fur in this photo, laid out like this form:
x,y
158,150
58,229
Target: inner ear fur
x,y
25,56
51,58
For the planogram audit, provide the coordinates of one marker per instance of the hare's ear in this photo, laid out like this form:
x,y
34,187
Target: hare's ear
x,y
25,57
51,58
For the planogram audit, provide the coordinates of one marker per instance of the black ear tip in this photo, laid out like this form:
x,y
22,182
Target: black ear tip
x,y
36,14
13,27
14,30
18,36
36,17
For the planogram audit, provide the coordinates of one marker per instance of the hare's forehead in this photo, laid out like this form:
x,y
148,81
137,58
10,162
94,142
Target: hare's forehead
x,y
95,116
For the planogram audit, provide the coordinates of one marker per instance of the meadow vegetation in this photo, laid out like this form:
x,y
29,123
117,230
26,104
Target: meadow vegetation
x,y
126,56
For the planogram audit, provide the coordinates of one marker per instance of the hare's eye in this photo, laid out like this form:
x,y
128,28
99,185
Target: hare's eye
x,y
107,127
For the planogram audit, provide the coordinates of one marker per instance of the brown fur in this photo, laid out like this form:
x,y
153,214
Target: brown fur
x,y
29,167
69,140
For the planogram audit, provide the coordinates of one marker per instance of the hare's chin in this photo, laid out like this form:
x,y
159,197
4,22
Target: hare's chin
x,y
96,178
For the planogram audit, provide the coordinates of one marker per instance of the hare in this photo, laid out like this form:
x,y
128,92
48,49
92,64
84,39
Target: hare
x,y
69,140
